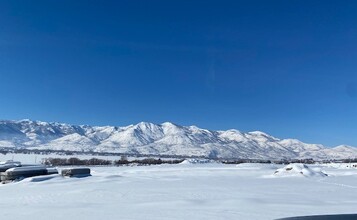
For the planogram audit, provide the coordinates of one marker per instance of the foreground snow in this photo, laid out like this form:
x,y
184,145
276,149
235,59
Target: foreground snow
x,y
183,191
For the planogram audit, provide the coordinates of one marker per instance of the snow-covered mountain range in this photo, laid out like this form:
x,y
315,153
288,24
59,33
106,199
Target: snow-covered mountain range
x,y
161,139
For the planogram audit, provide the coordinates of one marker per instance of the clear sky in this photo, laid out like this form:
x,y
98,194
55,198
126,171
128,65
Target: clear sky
x,y
288,68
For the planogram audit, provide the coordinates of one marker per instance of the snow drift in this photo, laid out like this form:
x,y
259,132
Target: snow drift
x,y
298,169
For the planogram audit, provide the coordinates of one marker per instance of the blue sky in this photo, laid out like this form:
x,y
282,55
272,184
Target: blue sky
x,y
287,68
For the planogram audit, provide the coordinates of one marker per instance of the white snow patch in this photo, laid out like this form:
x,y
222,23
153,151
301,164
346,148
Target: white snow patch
x,y
299,169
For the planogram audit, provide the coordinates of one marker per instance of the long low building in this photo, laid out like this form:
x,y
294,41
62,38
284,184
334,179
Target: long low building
x,y
5,165
18,173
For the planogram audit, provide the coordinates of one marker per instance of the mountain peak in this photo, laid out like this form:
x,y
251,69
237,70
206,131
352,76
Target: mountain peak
x,y
260,133
343,147
24,120
144,124
167,123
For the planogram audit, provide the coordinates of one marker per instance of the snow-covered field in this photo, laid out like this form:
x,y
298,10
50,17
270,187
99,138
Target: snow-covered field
x,y
184,191
36,158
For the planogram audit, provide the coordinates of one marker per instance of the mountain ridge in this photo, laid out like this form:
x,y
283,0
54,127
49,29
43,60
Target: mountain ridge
x,y
167,139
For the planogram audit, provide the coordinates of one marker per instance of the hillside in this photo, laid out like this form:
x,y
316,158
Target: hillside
x,y
161,139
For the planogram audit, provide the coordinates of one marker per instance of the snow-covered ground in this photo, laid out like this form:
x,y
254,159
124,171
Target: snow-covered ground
x,y
36,158
183,191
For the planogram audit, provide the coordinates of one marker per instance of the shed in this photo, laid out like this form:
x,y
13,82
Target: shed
x,y
18,173
76,172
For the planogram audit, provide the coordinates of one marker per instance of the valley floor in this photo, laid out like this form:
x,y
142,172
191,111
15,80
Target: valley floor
x,y
183,191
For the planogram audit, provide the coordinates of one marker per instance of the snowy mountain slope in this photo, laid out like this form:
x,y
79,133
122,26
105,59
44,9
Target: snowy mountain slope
x,y
164,139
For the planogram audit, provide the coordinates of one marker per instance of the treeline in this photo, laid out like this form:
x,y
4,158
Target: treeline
x,y
239,161
73,161
4,152
305,161
287,161
349,160
283,161
147,161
